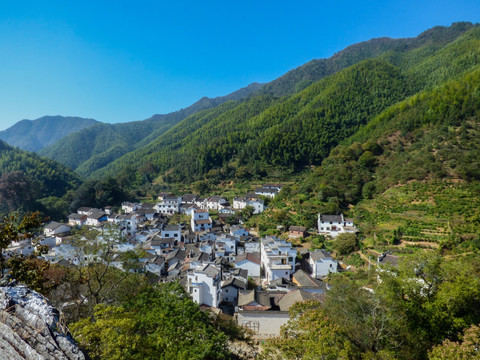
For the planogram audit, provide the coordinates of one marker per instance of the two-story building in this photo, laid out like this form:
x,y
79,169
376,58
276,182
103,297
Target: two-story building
x,y
321,263
200,220
169,205
277,258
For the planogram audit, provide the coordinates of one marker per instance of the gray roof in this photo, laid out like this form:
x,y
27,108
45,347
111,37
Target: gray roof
x,y
189,198
332,218
388,259
301,278
319,255
297,228
171,227
54,225
235,283
77,216
265,190
295,296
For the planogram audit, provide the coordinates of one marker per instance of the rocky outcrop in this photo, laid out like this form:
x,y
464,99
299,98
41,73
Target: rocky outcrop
x,y
31,328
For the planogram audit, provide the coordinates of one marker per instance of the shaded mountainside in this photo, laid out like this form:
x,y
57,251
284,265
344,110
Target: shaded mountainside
x,y
34,135
266,133
95,147
26,177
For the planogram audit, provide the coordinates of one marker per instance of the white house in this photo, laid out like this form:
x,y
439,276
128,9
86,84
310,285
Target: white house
x,y
128,207
322,264
263,191
216,202
230,243
155,265
204,285
200,220
169,204
277,258
55,228
76,219
171,231
230,289
249,262
96,218
242,202
333,225
238,231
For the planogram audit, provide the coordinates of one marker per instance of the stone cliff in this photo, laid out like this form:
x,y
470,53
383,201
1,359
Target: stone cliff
x,y
31,328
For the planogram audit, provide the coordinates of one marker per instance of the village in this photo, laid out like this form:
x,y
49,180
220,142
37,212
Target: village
x,y
227,268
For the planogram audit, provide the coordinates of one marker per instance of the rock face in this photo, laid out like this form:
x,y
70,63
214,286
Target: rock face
x,y
30,327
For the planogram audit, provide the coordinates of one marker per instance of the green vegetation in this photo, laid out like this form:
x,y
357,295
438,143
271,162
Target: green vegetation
x,y
426,301
160,322
26,177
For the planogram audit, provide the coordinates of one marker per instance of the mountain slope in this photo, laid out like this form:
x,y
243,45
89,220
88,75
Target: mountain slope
x,y
26,177
413,173
34,135
92,148
256,129
292,132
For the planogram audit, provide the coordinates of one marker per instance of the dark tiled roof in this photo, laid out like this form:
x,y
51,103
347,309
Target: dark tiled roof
x,y
332,218
319,255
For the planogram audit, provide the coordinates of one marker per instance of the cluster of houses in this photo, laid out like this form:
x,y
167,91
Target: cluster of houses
x,y
220,266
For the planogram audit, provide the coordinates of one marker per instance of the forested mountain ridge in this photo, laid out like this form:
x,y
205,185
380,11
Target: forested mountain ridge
x,y
291,132
92,148
34,135
26,177
412,173
315,70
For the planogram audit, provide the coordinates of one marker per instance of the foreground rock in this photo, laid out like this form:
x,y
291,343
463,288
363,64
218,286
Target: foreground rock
x,y
31,328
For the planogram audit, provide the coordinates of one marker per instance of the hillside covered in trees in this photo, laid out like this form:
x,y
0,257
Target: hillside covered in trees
x,y
26,177
267,134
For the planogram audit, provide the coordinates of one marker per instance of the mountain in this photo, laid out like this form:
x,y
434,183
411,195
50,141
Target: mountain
x,y
26,177
34,135
94,147
267,134
426,43
412,173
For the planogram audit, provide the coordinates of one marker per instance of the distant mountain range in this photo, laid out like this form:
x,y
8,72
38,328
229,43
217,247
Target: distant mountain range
x,y
34,135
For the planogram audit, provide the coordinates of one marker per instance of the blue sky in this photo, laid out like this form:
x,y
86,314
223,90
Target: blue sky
x,y
118,61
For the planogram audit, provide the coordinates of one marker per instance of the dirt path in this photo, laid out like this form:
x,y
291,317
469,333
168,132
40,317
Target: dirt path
x,y
364,257
431,245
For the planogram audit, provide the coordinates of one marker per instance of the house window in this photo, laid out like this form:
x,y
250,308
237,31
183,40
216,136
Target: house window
x,y
286,272
284,261
290,259
226,290
191,290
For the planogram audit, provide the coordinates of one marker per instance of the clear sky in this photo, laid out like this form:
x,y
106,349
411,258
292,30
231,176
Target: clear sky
x,y
118,61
